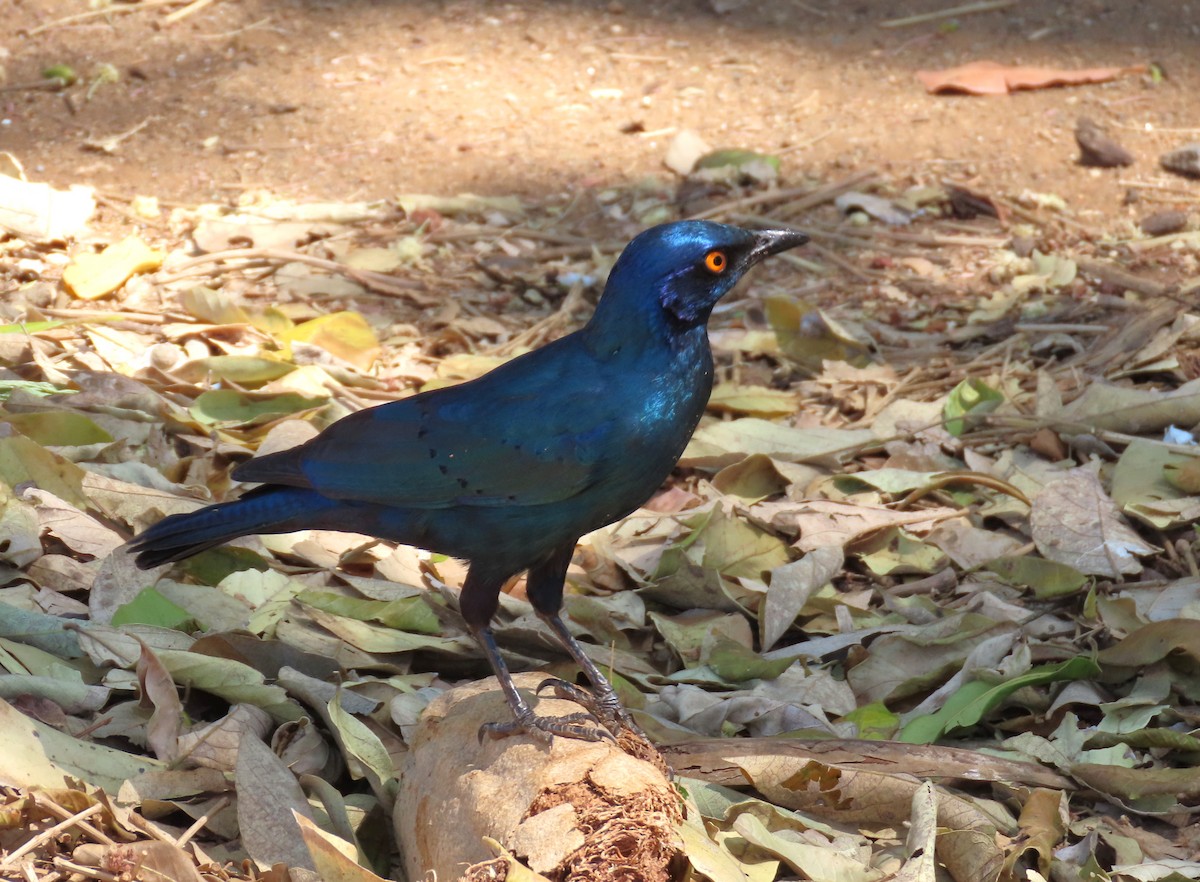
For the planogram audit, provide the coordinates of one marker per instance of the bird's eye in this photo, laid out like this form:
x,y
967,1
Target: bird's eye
x,y
715,262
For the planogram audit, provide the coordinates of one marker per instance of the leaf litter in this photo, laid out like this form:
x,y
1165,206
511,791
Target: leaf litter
x,y
940,529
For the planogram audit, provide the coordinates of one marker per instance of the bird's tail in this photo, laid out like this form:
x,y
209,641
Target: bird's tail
x,y
267,509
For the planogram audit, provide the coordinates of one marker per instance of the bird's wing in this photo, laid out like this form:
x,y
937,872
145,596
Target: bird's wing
x,y
513,437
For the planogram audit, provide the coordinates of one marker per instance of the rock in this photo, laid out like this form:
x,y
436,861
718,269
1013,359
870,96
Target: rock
x,y
1184,161
1097,149
685,149
1163,222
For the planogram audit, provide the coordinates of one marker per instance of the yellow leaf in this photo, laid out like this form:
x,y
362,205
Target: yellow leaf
x,y
92,276
760,401
343,334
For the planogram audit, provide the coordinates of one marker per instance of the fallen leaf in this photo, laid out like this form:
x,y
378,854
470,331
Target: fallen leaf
x,y
91,276
1074,522
991,78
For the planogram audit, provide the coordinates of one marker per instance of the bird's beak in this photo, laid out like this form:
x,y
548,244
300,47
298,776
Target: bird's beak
x,y
767,242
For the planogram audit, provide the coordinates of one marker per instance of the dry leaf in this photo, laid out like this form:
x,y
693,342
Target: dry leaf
x,y
91,276
1074,522
991,78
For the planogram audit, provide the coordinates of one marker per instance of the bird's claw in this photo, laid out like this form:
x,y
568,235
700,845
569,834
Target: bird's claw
x,y
604,706
581,727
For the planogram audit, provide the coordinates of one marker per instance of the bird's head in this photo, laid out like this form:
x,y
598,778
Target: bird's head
x,y
679,271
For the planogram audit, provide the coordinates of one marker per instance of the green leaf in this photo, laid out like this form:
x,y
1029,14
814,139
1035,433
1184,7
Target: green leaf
x,y
734,548
29,328
231,680
1047,578
63,72
894,551
874,721
809,336
364,752
970,398
245,370
24,460
976,699
57,428
404,614
149,607
212,566
232,408
737,663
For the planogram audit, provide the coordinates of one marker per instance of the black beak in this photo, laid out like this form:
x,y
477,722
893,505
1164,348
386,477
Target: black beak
x,y
767,242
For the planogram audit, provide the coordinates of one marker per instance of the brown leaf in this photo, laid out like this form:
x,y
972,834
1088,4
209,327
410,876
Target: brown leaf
x,y
266,791
158,688
991,78
1074,522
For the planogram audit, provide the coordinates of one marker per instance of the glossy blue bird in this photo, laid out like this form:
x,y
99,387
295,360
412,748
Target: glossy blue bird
x,y
509,470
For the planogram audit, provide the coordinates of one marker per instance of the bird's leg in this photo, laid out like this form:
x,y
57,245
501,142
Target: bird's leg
x,y
478,603
581,726
545,588
602,701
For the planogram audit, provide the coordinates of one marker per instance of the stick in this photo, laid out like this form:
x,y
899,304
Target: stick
x,y
378,282
965,9
808,198
181,14
48,834
101,13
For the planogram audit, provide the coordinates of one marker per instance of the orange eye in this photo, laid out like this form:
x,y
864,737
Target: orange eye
x,y
715,262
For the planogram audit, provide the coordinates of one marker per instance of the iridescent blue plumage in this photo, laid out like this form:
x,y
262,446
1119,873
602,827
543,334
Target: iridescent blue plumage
x,y
510,469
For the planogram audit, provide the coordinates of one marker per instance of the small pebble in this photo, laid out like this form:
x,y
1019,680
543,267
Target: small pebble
x,y
1097,148
1184,161
1162,223
1023,246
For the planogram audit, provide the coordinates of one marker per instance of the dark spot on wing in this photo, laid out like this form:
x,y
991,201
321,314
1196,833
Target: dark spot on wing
x,y
422,432
462,482
432,453
443,468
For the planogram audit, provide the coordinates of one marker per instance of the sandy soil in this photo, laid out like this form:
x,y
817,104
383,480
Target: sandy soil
x,y
369,98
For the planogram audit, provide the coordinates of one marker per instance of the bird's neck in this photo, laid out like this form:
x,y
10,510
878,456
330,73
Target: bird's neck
x,y
631,318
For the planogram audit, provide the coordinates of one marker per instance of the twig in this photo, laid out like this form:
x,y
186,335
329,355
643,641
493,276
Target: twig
x,y
199,823
50,84
1050,422
943,580
261,23
57,810
1191,237
807,197
180,14
113,205
927,240
835,258
101,13
151,829
1119,277
1060,328
965,9
1155,185
86,872
379,282
48,834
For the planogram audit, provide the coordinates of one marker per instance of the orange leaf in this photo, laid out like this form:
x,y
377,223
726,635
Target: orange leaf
x,y
990,78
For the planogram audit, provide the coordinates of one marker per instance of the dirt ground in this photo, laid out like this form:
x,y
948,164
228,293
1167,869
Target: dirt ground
x,y
362,99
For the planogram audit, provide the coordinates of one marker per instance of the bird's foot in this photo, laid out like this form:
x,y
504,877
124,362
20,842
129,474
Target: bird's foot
x,y
582,727
602,704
